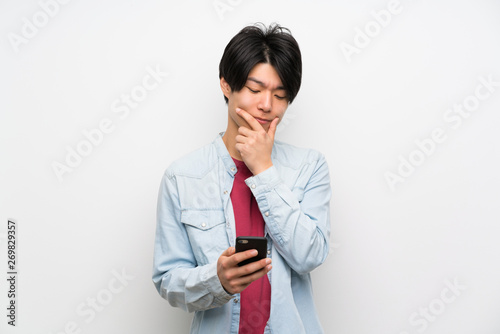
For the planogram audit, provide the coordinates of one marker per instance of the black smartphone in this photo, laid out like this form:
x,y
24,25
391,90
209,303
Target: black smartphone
x,y
246,243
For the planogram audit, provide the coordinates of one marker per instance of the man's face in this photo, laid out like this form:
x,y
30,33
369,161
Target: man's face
x,y
263,97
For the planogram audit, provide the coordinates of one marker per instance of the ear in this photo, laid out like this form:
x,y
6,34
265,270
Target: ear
x,y
224,86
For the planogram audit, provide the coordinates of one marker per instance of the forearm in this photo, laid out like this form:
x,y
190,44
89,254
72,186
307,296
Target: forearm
x,y
192,289
299,228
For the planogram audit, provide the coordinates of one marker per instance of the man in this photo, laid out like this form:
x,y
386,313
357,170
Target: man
x,y
246,184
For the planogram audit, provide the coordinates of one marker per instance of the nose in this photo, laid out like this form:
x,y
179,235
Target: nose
x,y
265,103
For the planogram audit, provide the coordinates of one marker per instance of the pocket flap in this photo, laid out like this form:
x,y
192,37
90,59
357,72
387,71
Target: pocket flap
x,y
202,219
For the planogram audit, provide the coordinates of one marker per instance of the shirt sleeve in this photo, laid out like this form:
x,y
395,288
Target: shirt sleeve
x,y
176,275
300,230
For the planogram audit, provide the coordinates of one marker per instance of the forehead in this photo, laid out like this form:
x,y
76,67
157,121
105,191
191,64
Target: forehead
x,y
265,75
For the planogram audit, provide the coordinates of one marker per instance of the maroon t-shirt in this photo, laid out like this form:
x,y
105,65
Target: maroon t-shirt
x,y
255,300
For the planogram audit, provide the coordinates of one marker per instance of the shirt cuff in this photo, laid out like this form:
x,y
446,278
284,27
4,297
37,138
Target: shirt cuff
x,y
264,181
212,283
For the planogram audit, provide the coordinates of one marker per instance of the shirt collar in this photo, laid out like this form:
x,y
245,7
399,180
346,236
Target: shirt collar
x,y
224,155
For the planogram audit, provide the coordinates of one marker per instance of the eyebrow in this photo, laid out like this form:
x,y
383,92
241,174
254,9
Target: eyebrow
x,y
260,83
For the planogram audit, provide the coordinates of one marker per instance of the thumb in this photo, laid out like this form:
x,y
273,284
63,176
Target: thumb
x,y
272,128
228,252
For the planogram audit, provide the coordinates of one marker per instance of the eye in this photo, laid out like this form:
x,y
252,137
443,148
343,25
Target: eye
x,y
253,91
280,97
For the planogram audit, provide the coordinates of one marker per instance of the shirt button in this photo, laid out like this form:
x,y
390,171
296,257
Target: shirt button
x,y
225,192
203,224
235,300
253,186
233,169
266,214
269,252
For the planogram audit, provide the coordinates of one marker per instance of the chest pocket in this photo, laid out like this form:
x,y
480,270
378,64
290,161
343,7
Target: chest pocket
x,y
207,233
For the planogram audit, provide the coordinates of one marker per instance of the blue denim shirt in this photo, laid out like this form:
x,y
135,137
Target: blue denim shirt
x,y
195,224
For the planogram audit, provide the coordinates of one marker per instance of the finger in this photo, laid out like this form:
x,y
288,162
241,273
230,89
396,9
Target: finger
x,y
242,256
245,281
250,120
228,252
241,139
245,276
238,147
272,128
244,131
253,271
252,267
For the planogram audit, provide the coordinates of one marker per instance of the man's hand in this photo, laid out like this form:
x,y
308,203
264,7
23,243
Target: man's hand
x,y
235,279
255,144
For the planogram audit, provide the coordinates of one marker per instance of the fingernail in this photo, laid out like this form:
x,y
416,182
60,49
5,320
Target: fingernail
x,y
268,261
238,109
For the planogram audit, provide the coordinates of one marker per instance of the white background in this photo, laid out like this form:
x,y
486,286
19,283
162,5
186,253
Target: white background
x,y
392,250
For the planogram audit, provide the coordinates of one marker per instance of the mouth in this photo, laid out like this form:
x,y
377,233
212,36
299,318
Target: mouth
x,y
262,120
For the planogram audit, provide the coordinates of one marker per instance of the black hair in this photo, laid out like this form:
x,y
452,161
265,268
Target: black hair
x,y
257,44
